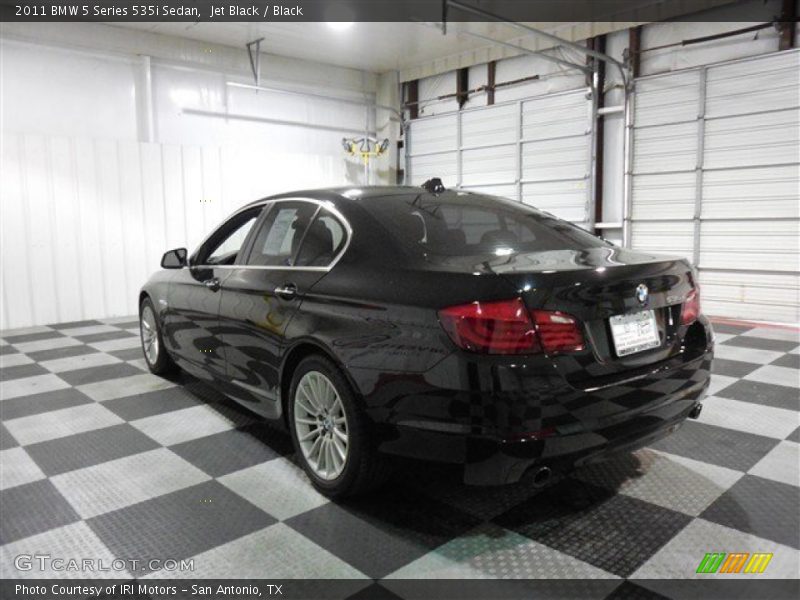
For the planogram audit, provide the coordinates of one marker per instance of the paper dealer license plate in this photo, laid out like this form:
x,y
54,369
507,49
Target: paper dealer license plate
x,y
634,333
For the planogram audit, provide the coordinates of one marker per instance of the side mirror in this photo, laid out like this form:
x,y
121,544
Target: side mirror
x,y
174,259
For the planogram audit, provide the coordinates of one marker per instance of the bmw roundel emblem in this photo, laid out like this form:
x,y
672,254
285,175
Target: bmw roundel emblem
x,y
642,293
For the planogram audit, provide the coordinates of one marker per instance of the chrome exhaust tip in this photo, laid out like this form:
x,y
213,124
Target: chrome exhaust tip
x,y
695,414
541,477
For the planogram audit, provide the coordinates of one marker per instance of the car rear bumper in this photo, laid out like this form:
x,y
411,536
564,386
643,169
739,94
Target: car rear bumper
x,y
502,434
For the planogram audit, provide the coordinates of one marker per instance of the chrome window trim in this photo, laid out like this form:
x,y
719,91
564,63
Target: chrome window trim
x,y
325,204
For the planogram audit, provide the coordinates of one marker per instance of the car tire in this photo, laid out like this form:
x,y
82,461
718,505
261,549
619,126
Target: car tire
x,y
155,354
337,417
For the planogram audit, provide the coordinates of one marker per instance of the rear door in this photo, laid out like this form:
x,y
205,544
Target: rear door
x,y
296,243
191,322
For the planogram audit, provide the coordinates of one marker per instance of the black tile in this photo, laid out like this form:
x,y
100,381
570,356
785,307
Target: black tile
x,y
180,524
127,325
67,352
730,329
745,341
631,591
91,448
32,337
75,324
717,445
794,436
6,439
8,349
760,506
104,337
33,508
151,403
374,591
20,371
24,406
225,452
778,396
384,531
792,361
101,373
732,368
127,353
616,533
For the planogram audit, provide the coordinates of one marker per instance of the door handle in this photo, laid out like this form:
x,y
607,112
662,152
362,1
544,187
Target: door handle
x,y
287,291
212,284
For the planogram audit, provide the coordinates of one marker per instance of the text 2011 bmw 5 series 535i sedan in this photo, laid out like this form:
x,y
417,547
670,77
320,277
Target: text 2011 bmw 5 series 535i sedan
x,y
435,324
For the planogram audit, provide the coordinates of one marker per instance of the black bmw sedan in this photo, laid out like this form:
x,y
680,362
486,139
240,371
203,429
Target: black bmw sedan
x,y
435,324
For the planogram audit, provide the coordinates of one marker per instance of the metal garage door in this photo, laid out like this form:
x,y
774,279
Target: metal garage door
x,y
716,178
538,151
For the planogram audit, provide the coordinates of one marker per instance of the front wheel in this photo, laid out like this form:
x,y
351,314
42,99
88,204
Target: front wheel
x,y
330,432
155,355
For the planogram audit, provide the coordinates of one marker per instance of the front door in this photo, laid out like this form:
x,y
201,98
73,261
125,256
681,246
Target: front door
x,y
191,322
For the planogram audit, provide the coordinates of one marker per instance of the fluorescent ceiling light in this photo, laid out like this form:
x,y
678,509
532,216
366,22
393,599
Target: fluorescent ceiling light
x,y
340,25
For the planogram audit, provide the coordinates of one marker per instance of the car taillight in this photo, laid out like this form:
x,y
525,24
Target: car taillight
x,y
506,327
691,307
558,332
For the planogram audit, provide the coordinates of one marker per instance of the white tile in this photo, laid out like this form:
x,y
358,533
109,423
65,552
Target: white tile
x,y
776,375
133,331
118,344
278,487
751,355
795,350
749,417
74,541
188,424
71,363
27,386
112,485
491,552
17,468
722,337
25,330
278,550
719,382
60,423
115,320
785,335
14,360
88,330
139,363
781,464
49,344
124,386
681,556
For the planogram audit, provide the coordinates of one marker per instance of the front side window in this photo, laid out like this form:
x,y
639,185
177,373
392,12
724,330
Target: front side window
x,y
223,247
280,235
323,241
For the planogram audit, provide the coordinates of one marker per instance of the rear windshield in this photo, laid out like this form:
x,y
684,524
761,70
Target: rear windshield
x,y
464,224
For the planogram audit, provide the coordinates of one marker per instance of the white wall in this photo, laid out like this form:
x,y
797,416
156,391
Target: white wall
x,y
91,195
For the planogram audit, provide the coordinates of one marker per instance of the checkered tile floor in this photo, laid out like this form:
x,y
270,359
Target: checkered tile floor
x,y
101,459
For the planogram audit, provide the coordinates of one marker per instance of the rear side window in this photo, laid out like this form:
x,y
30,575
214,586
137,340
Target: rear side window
x,y
461,224
323,241
280,235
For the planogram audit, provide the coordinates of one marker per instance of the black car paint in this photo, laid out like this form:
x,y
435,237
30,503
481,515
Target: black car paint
x,y
375,314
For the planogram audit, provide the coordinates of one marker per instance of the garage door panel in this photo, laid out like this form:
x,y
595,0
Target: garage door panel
x,y
664,237
441,165
557,115
489,165
666,196
504,191
769,83
666,148
496,125
564,199
760,139
434,134
752,193
753,245
565,158
748,295
667,99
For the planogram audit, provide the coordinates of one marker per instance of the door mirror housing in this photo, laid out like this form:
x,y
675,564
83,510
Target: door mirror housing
x,y
174,259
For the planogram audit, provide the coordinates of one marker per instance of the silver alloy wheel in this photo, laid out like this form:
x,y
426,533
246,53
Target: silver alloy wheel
x,y
149,330
321,425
